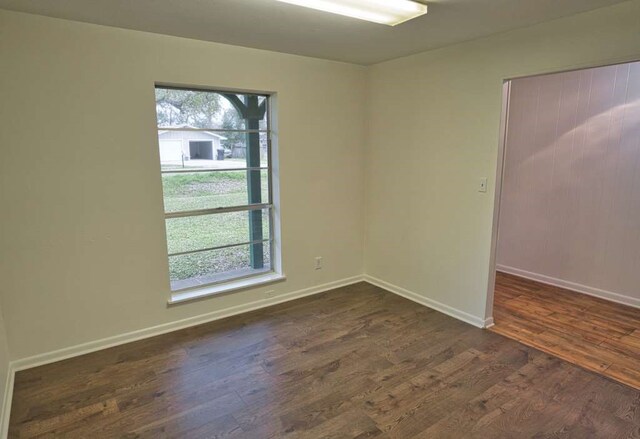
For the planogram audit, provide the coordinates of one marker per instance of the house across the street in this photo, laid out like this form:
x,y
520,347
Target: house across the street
x,y
179,145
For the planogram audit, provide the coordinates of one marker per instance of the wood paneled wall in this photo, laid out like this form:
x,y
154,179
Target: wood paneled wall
x,y
570,206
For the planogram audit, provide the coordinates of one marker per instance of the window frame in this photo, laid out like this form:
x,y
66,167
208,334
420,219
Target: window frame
x,y
241,281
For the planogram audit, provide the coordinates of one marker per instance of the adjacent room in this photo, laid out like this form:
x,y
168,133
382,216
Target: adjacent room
x,y
569,226
320,219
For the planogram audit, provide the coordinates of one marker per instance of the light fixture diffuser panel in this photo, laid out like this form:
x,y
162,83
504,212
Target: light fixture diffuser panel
x,y
389,12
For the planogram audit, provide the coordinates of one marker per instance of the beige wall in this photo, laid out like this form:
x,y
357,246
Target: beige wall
x,y
570,206
83,243
434,132
82,234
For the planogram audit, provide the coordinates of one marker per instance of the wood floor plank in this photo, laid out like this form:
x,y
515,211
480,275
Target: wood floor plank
x,y
354,362
590,332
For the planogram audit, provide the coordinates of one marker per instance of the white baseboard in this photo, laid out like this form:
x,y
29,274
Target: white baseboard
x,y
96,345
430,303
578,288
92,346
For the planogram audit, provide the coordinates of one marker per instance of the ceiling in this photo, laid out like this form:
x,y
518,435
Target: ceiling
x,y
271,25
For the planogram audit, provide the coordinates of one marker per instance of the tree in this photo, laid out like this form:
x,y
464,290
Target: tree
x,y
185,107
231,121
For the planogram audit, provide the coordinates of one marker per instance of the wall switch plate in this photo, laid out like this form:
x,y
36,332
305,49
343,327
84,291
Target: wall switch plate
x,y
319,263
482,187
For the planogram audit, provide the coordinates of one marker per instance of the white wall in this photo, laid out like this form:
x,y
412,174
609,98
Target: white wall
x,y
434,132
570,206
83,241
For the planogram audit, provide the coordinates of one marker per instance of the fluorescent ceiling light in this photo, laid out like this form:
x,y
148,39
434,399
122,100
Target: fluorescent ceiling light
x,y
389,12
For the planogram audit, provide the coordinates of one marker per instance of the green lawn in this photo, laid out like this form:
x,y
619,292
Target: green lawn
x,y
208,190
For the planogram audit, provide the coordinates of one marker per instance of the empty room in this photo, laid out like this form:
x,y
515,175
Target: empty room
x,y
569,225
320,219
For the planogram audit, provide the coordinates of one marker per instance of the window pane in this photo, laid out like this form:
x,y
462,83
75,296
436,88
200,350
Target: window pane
x,y
209,150
206,190
206,231
213,266
207,109
203,136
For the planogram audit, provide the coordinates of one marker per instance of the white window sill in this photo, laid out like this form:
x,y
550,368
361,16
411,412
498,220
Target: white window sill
x,y
227,287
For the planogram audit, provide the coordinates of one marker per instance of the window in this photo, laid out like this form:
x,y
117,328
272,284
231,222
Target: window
x,y
215,159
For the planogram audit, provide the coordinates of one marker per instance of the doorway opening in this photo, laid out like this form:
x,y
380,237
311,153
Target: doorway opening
x,y
567,230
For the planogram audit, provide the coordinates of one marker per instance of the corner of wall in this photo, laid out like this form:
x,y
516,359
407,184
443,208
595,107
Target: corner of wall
x,y
6,380
7,397
365,165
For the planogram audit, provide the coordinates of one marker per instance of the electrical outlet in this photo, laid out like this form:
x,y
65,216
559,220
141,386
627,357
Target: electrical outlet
x,y
318,262
269,294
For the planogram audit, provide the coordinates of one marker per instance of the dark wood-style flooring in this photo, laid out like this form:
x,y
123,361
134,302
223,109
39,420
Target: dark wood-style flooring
x,y
596,334
355,362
